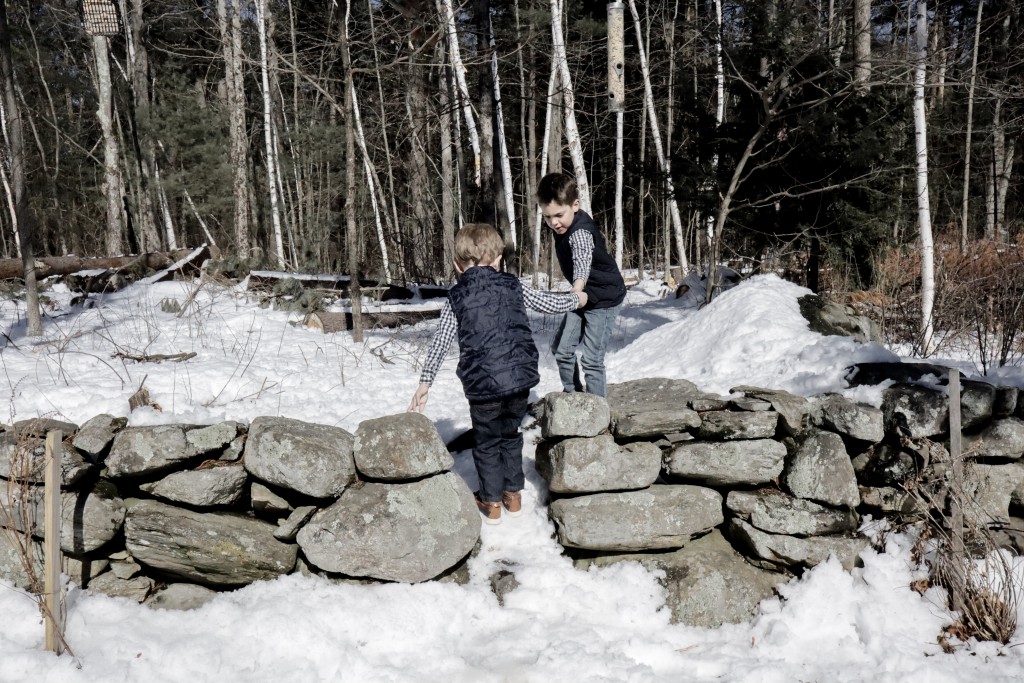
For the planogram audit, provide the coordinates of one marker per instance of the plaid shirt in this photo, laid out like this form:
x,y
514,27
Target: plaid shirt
x,y
582,244
448,326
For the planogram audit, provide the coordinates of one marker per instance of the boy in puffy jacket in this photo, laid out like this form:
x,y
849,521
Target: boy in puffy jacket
x,y
486,311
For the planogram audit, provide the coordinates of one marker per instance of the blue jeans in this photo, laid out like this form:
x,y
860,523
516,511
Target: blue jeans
x,y
589,331
498,454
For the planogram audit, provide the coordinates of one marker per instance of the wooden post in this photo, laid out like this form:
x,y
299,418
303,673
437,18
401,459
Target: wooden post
x,y
957,485
616,57
51,542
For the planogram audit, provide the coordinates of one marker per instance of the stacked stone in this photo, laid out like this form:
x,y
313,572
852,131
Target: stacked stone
x,y
916,416
221,506
743,491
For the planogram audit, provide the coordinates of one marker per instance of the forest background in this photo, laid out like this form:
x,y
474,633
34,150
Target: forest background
x,y
356,136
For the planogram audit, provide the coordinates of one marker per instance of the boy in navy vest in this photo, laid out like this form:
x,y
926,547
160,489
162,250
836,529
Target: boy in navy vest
x,y
486,310
585,263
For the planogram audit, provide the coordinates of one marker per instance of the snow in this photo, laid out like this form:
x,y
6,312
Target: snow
x,y
560,624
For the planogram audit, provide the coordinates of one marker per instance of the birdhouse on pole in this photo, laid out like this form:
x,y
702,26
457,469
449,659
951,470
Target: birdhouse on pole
x,y
101,18
616,57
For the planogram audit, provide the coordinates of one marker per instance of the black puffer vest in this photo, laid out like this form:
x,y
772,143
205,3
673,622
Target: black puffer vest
x,y
497,356
604,287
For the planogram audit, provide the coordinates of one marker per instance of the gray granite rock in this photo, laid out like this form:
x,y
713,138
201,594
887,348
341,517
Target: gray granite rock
x,y
915,411
821,470
662,516
839,414
144,451
573,414
589,465
652,406
403,446
727,463
212,548
204,487
790,551
732,425
312,459
96,435
792,409
774,512
1001,439
408,532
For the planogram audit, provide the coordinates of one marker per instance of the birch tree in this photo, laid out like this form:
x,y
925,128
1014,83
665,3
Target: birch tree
x,y
677,223
924,219
459,70
268,135
572,132
113,183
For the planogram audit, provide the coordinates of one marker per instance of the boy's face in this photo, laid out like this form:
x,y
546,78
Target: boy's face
x,y
559,216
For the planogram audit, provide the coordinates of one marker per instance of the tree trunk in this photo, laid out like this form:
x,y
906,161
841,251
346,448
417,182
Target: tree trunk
x,y
677,223
268,136
25,220
506,167
113,185
371,185
230,26
352,230
448,221
459,70
144,148
923,210
862,44
549,121
965,199
486,210
572,133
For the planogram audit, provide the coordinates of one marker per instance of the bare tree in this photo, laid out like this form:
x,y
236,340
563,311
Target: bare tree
x,y
24,219
924,218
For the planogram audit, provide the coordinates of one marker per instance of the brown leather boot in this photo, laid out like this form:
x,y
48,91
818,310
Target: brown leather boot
x,y
513,501
490,511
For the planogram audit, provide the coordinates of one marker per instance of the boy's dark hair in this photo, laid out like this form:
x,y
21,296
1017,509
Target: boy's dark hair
x,y
557,187
478,243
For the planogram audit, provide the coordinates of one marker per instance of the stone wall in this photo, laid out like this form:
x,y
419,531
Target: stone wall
x,y
730,496
727,496
171,513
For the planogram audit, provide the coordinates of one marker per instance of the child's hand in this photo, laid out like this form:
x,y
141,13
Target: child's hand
x,y
419,399
583,299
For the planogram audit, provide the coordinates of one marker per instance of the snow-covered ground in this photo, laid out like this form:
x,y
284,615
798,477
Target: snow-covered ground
x,y
560,624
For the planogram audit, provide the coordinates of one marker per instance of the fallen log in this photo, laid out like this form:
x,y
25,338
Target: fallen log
x,y
11,268
330,322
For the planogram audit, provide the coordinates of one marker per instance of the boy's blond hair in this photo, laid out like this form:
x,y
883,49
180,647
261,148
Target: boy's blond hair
x,y
478,243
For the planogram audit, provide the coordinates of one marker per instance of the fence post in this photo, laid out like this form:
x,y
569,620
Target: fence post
x,y
51,542
957,485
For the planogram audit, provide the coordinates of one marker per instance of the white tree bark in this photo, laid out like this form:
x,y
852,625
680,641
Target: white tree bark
x,y
539,215
8,193
506,167
460,79
965,200
371,185
572,132
677,223
923,209
268,136
619,171
719,109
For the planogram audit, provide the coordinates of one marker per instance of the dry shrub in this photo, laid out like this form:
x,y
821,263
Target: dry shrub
x,y
979,299
19,517
964,556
